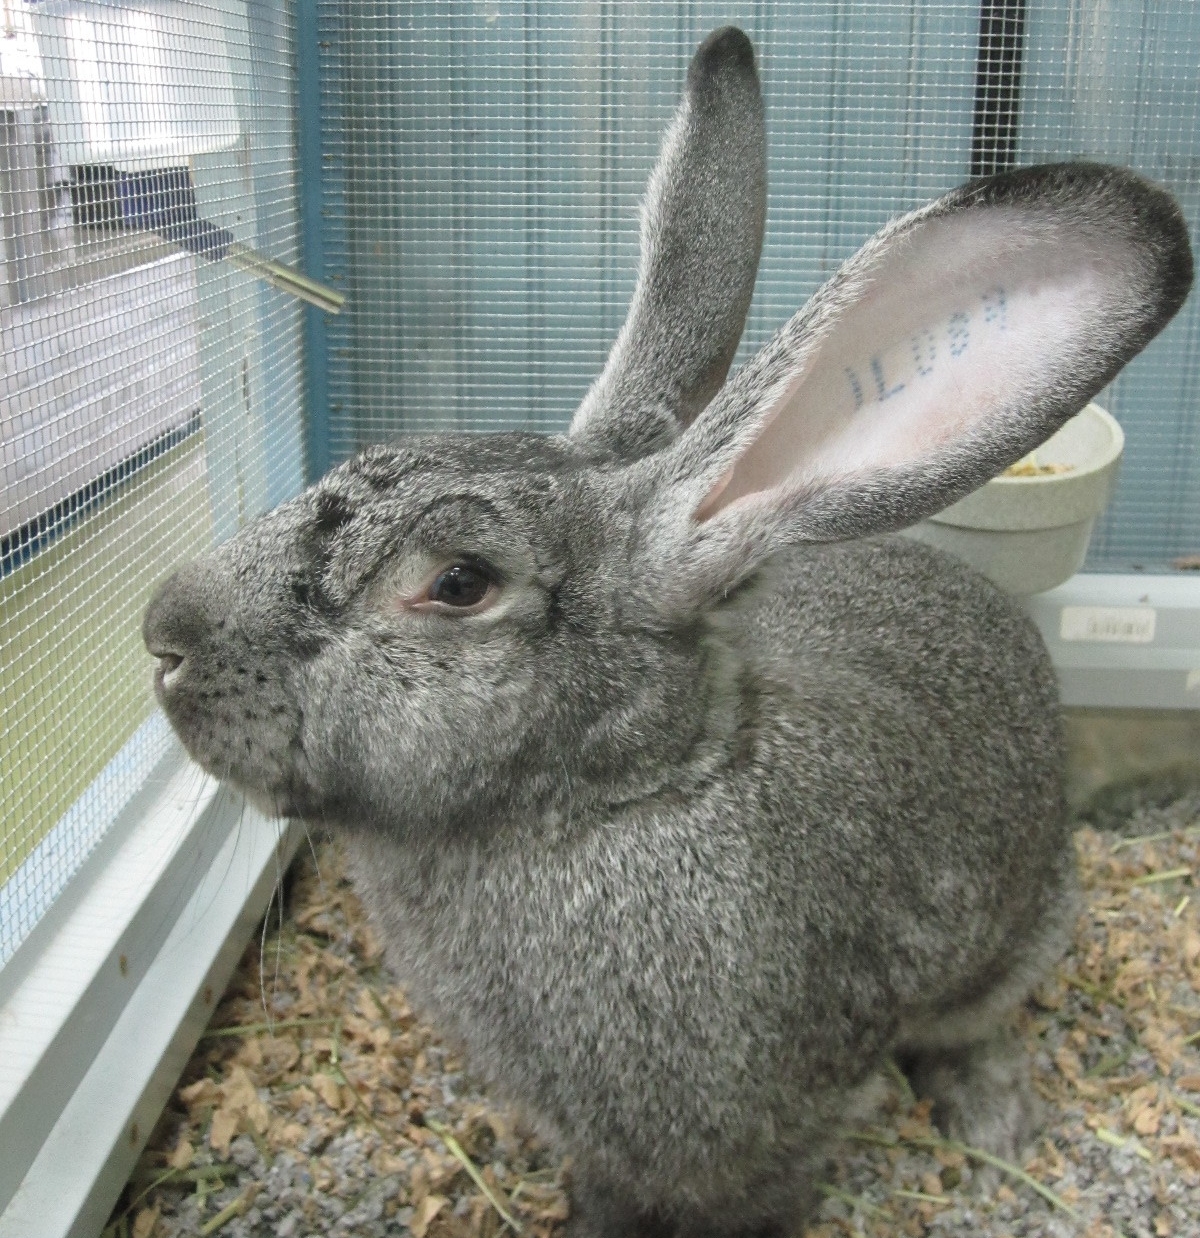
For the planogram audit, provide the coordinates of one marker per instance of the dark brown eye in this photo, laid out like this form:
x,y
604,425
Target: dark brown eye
x,y
462,585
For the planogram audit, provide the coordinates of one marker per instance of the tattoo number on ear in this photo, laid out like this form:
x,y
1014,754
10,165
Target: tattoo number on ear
x,y
995,307
855,388
924,349
923,346
882,390
958,332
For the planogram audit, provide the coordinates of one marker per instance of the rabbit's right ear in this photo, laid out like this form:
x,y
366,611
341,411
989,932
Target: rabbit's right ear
x,y
957,340
702,230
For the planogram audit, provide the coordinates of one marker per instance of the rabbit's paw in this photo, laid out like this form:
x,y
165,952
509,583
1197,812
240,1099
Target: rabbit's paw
x,y
981,1093
601,1209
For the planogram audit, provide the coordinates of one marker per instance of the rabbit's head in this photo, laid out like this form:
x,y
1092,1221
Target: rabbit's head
x,y
449,628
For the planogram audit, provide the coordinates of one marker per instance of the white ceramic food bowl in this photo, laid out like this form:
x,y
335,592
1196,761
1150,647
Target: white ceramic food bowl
x,y
1031,533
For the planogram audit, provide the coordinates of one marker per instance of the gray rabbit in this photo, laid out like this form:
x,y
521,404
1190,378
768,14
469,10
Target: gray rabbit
x,y
680,797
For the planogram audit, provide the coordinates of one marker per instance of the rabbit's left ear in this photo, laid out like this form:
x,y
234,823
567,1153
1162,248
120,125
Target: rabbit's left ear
x,y
702,231
956,341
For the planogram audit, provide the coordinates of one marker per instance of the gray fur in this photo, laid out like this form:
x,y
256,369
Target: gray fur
x,y
679,854
702,231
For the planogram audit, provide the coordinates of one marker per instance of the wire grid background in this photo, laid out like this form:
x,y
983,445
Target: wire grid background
x,y
484,163
150,397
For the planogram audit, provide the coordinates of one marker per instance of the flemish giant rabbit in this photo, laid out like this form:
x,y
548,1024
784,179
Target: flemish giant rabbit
x,y
680,798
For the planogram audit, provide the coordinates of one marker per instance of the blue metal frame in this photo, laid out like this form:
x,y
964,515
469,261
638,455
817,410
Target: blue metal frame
x,y
318,183
279,389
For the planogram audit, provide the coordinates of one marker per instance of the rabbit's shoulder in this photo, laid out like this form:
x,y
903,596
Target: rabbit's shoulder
x,y
895,608
890,665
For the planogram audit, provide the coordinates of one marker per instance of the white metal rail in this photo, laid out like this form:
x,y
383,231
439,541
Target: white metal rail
x,y
104,1001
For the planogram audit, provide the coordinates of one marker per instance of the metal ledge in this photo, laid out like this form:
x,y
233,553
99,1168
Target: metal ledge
x,y
1124,641
102,1005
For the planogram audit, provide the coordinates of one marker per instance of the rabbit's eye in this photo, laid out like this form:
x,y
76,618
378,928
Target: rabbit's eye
x,y
462,586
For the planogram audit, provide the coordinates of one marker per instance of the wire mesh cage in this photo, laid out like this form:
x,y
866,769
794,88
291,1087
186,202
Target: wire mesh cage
x,y
484,162
472,176
466,174
150,389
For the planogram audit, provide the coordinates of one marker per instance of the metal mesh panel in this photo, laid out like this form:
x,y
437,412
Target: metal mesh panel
x,y
150,390
484,162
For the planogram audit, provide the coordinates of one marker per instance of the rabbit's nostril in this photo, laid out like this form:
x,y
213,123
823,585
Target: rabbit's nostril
x,y
167,668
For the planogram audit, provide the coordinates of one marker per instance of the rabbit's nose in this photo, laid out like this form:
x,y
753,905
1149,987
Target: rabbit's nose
x,y
175,626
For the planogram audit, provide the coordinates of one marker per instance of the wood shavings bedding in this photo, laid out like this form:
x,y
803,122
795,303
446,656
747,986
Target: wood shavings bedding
x,y
331,1109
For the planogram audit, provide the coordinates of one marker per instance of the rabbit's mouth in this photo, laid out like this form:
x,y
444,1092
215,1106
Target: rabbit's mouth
x,y
279,805
250,741
269,784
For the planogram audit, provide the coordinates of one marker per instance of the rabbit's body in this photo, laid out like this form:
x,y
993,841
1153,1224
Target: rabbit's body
x,y
678,816
756,930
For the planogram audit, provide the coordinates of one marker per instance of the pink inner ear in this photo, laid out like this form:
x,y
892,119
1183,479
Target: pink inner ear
x,y
959,320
